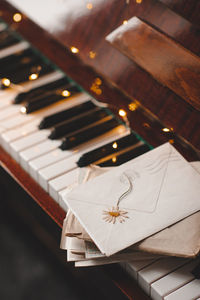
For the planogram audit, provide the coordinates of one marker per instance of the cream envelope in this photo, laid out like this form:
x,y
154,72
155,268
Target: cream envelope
x,y
152,192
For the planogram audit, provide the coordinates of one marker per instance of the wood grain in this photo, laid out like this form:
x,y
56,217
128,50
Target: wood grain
x,y
168,62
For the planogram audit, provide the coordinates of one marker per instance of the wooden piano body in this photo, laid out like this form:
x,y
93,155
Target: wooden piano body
x,y
150,104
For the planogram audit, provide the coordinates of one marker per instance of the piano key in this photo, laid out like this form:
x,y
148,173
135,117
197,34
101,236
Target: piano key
x,y
10,64
131,153
60,199
189,291
115,146
51,120
21,46
75,124
46,160
158,270
56,169
64,166
173,281
7,97
22,74
132,268
86,134
26,142
48,86
61,182
9,112
35,104
14,134
58,155
20,119
7,39
37,150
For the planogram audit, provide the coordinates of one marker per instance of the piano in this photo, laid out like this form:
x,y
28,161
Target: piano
x,y
58,57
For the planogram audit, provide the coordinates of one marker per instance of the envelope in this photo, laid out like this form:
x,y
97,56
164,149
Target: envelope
x,y
139,198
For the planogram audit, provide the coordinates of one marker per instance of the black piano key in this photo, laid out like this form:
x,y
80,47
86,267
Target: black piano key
x,y
118,160
65,115
7,39
71,126
22,74
110,148
13,62
88,134
42,102
26,96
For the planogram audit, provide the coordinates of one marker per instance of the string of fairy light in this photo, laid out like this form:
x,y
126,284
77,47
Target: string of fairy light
x,y
95,85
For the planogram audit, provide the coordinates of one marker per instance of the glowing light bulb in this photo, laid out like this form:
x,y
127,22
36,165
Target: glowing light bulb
x,y
23,109
122,113
33,76
17,17
166,129
125,22
74,49
114,159
65,93
114,145
5,82
89,6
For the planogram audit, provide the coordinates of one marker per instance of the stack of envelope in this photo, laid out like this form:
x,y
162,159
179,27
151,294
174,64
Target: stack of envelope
x,y
145,208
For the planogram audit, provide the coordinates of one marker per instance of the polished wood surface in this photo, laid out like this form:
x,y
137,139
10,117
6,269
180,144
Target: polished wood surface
x,y
168,62
76,25
112,77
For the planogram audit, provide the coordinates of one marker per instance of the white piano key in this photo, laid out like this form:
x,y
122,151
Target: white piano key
x,y
44,79
190,291
3,26
56,169
62,182
16,121
135,266
58,155
19,132
21,119
6,98
45,160
37,150
173,281
61,202
13,49
27,142
158,270
9,112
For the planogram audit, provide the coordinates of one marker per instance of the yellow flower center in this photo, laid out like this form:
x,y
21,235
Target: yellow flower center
x,y
114,213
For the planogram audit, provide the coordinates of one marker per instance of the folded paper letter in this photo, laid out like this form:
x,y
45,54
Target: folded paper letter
x,y
165,189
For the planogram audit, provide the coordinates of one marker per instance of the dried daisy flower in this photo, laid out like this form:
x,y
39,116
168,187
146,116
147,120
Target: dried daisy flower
x,y
113,214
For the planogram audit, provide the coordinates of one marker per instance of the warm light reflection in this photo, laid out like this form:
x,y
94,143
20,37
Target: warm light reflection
x,y
92,54
122,113
33,76
132,106
89,6
114,145
171,141
23,109
5,82
166,129
98,81
138,1
125,22
65,93
74,49
114,159
17,17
